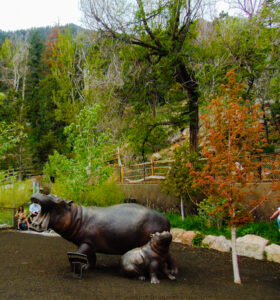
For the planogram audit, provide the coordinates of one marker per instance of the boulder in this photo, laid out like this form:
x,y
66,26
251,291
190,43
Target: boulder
x,y
182,236
156,156
251,245
177,234
188,237
273,253
219,243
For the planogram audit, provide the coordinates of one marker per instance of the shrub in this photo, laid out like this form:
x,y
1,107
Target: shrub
x,y
105,194
13,196
197,240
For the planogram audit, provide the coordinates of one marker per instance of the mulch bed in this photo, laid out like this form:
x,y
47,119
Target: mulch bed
x,y
35,266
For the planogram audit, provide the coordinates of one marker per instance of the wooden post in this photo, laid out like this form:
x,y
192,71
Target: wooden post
x,y
121,174
153,167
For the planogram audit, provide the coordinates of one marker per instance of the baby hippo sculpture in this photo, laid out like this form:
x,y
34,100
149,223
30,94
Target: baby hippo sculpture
x,y
149,259
110,230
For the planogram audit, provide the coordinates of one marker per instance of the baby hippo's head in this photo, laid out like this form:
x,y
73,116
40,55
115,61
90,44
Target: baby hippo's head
x,y
161,239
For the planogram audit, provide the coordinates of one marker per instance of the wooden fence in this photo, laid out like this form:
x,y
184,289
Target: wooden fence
x,y
12,175
148,171
157,170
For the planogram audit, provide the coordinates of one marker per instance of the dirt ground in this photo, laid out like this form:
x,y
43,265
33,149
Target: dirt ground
x,y
36,267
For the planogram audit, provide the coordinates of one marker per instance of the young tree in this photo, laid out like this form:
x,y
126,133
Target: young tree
x,y
84,167
178,180
232,140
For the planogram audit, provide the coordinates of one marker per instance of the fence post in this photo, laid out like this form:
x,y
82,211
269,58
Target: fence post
x,y
153,167
13,204
121,173
14,218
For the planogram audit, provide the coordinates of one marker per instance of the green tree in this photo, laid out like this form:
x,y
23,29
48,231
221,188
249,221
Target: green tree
x,y
179,180
84,169
66,65
165,29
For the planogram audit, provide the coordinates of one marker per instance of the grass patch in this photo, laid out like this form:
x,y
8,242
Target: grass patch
x,y
267,230
13,196
104,194
6,216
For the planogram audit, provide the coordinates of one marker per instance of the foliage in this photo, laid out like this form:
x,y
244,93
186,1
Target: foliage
x,y
197,240
179,180
105,194
10,136
199,224
15,195
75,175
233,138
206,207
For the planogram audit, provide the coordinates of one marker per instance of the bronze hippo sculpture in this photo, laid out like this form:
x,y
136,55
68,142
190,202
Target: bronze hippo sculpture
x,y
150,259
110,230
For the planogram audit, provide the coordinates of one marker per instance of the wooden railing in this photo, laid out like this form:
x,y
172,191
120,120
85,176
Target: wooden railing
x,y
13,175
148,171
157,170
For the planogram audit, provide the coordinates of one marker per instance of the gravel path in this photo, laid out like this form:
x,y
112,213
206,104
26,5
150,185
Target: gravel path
x,y
36,266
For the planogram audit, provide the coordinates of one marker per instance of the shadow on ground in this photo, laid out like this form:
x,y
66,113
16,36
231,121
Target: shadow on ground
x,y
35,266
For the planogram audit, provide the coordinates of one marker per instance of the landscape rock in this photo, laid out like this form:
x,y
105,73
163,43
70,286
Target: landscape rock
x,y
273,253
182,236
251,245
5,226
156,156
219,243
177,234
188,237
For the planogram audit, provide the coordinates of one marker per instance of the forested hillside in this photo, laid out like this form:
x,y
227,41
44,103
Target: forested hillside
x,y
136,76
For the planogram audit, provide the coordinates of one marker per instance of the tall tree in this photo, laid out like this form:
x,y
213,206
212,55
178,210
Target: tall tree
x,y
164,29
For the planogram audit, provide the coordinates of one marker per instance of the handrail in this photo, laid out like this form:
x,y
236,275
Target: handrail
x,y
148,171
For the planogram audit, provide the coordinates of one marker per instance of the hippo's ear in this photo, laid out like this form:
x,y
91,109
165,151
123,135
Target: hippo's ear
x,y
62,202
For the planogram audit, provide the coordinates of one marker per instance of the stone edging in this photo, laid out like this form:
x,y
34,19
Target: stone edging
x,y
249,245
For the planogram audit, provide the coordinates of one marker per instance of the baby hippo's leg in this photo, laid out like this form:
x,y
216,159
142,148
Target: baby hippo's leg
x,y
172,265
166,271
153,269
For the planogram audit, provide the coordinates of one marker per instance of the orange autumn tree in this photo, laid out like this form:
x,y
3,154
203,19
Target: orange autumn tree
x,y
231,144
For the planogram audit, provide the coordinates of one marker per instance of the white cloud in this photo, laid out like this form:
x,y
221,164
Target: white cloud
x,y
24,14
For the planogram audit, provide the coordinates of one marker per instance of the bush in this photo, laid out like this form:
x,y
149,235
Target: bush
x,y
197,223
197,240
105,194
13,196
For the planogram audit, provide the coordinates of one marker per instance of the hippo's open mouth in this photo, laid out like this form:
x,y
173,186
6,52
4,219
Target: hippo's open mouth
x,y
41,222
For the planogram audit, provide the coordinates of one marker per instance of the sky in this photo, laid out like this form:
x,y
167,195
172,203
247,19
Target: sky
x,y
25,14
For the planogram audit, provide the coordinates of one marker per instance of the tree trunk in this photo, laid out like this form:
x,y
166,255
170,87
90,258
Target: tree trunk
x,y
182,209
188,81
235,267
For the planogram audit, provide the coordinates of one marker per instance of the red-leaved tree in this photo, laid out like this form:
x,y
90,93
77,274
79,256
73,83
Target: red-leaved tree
x,y
232,143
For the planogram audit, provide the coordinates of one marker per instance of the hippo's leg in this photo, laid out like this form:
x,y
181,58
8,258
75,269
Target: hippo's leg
x,y
86,249
166,271
153,269
172,265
